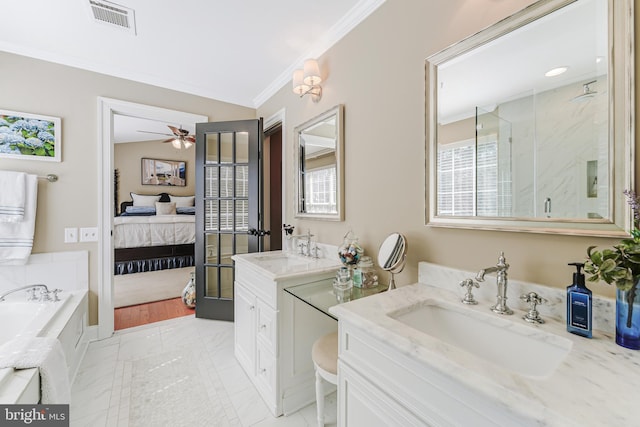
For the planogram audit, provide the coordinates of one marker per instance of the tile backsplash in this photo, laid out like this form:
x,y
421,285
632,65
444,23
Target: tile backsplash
x,y
68,271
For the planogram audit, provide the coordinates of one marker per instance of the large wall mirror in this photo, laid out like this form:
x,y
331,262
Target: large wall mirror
x,y
530,122
319,165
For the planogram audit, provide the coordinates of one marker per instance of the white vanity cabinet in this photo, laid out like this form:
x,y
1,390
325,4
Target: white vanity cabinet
x,y
274,332
396,368
378,385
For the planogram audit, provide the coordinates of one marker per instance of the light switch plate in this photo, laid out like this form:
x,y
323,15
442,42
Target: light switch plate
x,y
89,234
71,235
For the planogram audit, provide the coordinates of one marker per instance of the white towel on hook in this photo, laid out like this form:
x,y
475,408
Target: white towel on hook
x,y
12,196
16,238
46,354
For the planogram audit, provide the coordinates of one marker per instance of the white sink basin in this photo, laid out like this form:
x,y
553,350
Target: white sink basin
x,y
517,347
279,264
283,259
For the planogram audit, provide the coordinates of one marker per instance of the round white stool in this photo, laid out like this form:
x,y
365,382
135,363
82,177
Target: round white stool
x,y
325,361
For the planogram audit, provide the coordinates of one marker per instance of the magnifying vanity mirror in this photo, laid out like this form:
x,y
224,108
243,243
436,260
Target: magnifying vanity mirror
x,y
530,122
392,256
319,164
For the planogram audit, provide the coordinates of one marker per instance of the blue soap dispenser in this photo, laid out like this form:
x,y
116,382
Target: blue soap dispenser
x,y
579,304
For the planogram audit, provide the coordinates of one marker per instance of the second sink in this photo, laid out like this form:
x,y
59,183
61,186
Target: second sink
x,y
283,258
278,264
519,348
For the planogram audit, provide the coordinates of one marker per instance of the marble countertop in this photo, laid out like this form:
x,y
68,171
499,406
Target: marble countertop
x,y
281,265
597,384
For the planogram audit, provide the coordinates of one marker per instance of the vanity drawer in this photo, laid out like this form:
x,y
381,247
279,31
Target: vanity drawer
x,y
265,379
267,328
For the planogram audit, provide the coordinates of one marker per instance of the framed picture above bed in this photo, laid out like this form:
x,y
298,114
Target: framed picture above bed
x,y
164,172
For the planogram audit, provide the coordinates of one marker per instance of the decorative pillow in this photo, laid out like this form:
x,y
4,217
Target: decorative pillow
x,y
165,208
183,201
144,200
139,210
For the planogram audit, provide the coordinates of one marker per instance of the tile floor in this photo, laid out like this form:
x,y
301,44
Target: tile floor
x,y
178,372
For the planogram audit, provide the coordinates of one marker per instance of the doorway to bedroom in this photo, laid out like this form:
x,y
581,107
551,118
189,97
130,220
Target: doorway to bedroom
x,y
109,110
154,220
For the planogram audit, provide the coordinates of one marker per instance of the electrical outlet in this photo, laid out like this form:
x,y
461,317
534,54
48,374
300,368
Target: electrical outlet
x,y
89,234
71,235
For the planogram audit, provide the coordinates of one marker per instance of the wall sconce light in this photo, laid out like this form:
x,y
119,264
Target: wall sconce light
x,y
307,80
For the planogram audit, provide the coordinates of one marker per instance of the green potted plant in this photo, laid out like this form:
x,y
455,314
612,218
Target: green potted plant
x,y
620,265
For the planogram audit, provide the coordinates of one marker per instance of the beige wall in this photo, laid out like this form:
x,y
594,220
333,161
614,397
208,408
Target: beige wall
x,y
377,72
128,160
457,131
33,86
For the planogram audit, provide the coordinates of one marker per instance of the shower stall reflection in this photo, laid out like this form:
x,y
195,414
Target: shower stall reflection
x,y
514,158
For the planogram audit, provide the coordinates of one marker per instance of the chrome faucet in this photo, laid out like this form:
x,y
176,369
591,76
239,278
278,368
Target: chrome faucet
x,y
305,247
501,269
29,288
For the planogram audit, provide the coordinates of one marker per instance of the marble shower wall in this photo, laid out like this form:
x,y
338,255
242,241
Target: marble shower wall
x,y
551,161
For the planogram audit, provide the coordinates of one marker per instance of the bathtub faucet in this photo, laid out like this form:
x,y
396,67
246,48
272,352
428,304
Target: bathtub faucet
x,y
45,293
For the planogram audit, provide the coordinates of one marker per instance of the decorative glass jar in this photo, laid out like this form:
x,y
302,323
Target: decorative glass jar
x,y
368,273
342,285
350,251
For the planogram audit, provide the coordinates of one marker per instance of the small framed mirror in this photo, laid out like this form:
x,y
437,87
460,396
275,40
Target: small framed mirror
x,y
319,175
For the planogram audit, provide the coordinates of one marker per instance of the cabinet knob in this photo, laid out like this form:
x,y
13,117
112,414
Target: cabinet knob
x,y
252,307
263,370
263,326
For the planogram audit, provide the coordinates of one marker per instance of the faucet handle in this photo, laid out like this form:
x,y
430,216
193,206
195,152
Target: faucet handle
x,y
55,294
533,299
502,262
31,294
314,250
468,296
302,246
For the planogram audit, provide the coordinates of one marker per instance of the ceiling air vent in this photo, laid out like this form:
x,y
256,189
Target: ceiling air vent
x,y
113,15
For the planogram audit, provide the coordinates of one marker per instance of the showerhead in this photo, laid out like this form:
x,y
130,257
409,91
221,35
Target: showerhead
x,y
586,94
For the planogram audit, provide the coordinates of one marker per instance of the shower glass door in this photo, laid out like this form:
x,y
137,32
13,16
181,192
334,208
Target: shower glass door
x,y
493,165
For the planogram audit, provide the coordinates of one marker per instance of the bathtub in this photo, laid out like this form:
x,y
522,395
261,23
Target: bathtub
x,y
27,318
65,320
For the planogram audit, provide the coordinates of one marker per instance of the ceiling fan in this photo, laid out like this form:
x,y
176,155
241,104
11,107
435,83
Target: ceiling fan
x,y
179,138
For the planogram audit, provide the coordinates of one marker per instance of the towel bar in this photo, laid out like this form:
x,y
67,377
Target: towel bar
x,y
51,177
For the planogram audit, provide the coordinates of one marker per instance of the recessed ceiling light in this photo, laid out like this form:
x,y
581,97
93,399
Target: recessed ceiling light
x,y
556,71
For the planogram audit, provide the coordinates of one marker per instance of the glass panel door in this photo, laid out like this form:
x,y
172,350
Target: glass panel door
x,y
227,196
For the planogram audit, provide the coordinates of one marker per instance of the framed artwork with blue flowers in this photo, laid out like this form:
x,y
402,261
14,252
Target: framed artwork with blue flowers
x,y
30,136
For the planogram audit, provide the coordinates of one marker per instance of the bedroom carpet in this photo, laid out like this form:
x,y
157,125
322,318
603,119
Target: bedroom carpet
x,y
140,288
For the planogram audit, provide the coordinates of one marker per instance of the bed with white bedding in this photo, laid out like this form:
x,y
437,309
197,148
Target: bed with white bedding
x,y
157,230
146,241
